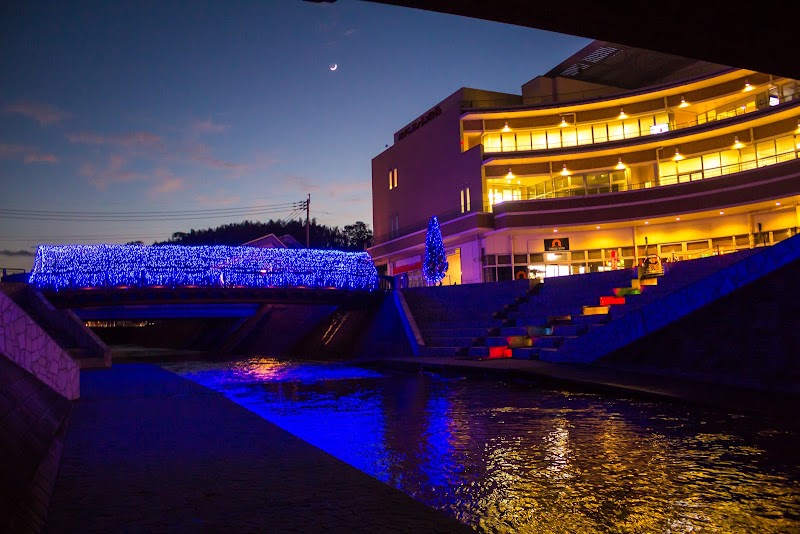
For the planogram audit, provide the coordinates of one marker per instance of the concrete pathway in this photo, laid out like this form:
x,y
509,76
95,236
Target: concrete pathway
x,y
148,451
743,397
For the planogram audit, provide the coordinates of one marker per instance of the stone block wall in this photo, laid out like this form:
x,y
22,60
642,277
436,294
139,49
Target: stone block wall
x,y
26,344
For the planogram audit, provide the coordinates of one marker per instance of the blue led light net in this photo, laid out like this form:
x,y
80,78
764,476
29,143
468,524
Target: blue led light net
x,y
80,266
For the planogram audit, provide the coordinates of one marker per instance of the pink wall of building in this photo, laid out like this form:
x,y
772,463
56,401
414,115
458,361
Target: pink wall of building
x,y
431,171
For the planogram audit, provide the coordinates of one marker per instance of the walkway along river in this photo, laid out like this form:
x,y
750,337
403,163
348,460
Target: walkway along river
x,y
508,457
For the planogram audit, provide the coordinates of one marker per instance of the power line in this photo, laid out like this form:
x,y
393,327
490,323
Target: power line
x,y
284,205
140,217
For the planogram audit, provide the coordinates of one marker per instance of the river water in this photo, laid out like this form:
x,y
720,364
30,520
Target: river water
x,y
510,457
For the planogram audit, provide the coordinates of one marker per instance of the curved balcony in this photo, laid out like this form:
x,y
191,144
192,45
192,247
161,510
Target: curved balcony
x,y
737,188
637,136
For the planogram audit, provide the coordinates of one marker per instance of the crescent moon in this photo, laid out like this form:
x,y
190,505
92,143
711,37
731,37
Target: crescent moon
x,y
335,66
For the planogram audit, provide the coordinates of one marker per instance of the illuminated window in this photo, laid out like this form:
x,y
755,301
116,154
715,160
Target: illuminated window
x,y
523,141
465,200
554,138
391,183
395,176
508,142
491,143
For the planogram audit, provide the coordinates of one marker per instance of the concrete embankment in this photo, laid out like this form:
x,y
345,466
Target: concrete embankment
x,y
149,451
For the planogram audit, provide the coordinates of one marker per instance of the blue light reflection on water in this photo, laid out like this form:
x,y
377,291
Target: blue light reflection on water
x,y
509,457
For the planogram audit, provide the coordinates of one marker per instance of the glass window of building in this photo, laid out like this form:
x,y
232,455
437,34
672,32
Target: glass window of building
x,y
524,141
538,140
600,133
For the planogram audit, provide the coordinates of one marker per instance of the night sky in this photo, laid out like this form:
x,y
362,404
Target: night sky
x,y
149,107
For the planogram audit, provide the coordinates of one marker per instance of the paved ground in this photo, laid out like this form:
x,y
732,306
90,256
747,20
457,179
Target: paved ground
x,y
148,451
742,397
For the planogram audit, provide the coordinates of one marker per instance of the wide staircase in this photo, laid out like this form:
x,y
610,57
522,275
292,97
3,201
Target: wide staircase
x,y
457,321
563,308
533,320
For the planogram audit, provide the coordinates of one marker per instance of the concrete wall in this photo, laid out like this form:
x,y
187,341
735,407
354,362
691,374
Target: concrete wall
x,y
639,324
26,344
387,333
750,337
33,427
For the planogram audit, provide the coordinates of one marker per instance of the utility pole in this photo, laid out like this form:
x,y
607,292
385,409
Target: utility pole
x,y
308,223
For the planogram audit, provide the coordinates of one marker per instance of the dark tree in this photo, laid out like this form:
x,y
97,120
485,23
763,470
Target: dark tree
x,y
358,236
321,236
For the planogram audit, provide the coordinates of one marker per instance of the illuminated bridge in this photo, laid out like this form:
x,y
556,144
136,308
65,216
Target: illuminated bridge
x,y
148,282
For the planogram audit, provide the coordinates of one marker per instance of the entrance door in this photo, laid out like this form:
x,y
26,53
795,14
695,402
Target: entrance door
x,y
551,270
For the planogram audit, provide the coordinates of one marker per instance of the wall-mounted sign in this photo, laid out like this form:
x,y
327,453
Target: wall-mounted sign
x,y
659,128
556,244
417,124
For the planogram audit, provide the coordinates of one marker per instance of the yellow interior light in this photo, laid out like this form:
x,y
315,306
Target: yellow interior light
x,y
684,103
620,166
736,143
677,156
506,128
510,174
563,123
622,114
797,131
747,86
565,171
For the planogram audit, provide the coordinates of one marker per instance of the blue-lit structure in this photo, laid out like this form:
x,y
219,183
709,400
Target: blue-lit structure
x,y
59,267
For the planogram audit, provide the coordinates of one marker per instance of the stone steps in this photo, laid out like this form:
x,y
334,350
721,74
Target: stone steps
x,y
455,332
450,341
569,329
467,323
444,352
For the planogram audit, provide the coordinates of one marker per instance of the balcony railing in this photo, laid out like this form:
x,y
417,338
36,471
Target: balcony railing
x,y
665,180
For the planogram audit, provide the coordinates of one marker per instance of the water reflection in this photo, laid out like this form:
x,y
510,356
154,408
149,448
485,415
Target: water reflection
x,y
512,458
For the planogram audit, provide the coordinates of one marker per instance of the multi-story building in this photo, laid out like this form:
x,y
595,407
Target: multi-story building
x,y
615,154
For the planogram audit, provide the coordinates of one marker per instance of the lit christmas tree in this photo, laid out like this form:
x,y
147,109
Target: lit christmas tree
x,y
435,264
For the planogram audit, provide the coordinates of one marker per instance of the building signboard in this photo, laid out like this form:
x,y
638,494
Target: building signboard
x,y
552,245
422,121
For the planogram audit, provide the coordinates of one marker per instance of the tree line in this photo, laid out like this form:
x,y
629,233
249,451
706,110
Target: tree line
x,y
356,236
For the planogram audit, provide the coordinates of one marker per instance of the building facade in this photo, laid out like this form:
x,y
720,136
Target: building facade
x,y
614,155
